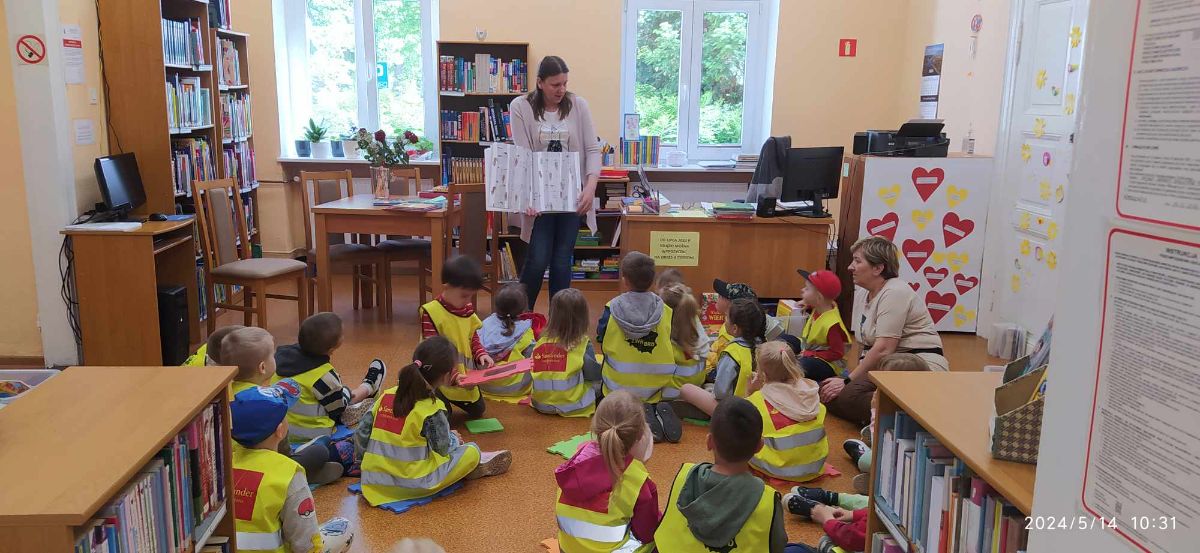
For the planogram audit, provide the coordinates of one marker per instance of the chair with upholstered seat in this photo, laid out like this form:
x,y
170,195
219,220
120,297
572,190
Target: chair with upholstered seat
x,y
368,264
227,258
407,182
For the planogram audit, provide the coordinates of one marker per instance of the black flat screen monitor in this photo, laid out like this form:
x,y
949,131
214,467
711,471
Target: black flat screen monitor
x,y
120,183
813,174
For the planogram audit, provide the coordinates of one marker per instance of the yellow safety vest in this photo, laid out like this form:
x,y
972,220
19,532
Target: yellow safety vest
x,y
688,370
517,386
562,392
815,335
260,483
583,530
719,345
792,450
674,536
742,355
642,370
238,386
399,464
307,418
198,359
459,331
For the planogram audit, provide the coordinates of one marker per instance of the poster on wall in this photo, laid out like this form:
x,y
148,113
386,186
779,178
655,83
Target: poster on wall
x,y
1159,155
1145,394
931,80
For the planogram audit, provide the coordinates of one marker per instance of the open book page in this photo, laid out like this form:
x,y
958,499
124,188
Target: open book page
x,y
517,178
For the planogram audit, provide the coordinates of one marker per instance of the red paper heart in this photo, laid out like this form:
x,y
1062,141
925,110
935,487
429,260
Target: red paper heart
x,y
884,226
939,304
965,284
917,253
955,229
915,286
935,276
927,181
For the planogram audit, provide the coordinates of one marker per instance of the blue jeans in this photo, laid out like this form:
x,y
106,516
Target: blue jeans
x,y
550,245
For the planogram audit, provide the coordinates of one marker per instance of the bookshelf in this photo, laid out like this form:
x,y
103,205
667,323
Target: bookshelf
x,y
68,477
956,409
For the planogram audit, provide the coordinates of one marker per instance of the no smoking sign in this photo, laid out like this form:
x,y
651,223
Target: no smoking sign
x,y
31,49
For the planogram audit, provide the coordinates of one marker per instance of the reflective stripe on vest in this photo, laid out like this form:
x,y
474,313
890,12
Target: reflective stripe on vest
x,y
558,384
260,482
584,530
642,373
744,357
792,450
518,385
674,536
306,418
459,331
398,463
688,370
198,359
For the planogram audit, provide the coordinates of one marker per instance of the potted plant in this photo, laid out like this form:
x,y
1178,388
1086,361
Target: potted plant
x,y
383,157
316,135
350,143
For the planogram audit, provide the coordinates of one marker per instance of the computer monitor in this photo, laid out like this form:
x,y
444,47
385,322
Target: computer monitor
x,y
813,174
120,183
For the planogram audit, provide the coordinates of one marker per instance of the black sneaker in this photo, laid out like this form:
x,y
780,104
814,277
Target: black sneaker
x,y
799,505
672,426
817,494
855,449
376,373
656,425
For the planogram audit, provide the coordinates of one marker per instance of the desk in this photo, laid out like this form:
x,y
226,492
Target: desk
x,y
764,253
357,215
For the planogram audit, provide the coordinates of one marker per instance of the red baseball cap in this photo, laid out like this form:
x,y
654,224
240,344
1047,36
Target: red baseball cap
x,y
827,283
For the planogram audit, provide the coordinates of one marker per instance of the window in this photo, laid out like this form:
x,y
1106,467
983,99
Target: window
x,y
361,63
695,73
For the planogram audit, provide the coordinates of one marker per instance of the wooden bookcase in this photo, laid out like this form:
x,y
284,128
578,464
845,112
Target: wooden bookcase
x,y
956,408
69,448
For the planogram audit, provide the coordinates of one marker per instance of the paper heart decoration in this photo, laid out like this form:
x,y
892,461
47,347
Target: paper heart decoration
x,y
884,226
962,315
1016,283
889,194
1052,230
927,181
914,285
917,253
955,229
955,195
935,276
1025,246
1026,152
939,304
921,218
1052,260
964,283
956,261
1069,104
1044,190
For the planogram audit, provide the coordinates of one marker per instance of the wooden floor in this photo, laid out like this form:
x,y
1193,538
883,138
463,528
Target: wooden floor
x,y
515,511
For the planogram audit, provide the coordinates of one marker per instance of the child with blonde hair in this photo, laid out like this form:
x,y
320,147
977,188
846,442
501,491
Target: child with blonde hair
x,y
688,339
564,364
794,442
606,499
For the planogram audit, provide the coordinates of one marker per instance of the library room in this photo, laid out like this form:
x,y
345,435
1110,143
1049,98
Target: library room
x,y
543,276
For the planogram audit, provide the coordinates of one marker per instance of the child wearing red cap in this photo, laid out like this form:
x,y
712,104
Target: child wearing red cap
x,y
824,340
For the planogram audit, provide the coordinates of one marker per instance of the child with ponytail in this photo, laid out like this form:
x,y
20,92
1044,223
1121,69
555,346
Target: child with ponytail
x,y
508,335
688,340
746,323
407,448
606,500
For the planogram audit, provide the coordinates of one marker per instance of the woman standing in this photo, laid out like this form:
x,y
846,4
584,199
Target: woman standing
x,y
894,320
550,119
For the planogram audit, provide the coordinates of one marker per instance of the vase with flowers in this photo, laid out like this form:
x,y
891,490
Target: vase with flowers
x,y
383,156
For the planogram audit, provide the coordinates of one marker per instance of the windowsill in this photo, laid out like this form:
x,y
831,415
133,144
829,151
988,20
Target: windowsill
x,y
688,168
344,160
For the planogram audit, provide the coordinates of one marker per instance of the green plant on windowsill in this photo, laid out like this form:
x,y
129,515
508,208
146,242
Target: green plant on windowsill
x,y
315,133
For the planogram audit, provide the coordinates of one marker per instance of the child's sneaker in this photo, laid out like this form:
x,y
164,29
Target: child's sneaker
x,y
492,463
672,427
817,494
855,449
798,505
656,425
376,374
865,433
330,472
353,414
861,481
336,535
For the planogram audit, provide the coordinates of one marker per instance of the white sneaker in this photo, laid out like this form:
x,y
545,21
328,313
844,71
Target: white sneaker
x,y
336,535
492,463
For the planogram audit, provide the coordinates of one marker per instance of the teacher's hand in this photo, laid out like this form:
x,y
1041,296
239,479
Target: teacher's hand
x,y
530,211
831,387
586,197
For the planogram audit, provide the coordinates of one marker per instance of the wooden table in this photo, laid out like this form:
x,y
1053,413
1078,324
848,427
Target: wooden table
x,y
357,215
762,252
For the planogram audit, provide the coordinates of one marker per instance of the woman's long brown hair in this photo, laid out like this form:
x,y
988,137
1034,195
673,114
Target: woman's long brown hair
x,y
550,67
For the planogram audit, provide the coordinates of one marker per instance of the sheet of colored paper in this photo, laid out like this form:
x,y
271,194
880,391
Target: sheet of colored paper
x,y
475,378
569,446
483,426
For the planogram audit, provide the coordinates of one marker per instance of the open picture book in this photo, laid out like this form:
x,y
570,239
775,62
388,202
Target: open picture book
x,y
518,178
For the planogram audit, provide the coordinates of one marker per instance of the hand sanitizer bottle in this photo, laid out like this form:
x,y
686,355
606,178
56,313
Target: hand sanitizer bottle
x,y
968,143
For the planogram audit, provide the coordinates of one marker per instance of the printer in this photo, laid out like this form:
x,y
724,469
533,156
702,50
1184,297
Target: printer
x,y
916,138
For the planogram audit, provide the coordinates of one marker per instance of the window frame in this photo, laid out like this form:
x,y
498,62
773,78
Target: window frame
x,y
755,94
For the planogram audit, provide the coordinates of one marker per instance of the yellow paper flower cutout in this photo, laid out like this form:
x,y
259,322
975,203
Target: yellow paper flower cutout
x,y
1016,283
1044,190
1076,36
1026,152
1073,68
1025,220
1025,247
1069,104
1039,80
1039,127
1052,260
1052,230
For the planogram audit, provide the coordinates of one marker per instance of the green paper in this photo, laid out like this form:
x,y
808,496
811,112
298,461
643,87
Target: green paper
x,y
483,426
569,446
697,422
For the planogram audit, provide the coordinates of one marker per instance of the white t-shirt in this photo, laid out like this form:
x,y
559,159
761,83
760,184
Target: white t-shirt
x,y
553,127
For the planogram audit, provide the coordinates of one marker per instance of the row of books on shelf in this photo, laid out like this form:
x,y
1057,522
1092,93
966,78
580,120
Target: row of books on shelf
x,y
461,169
191,160
189,104
483,74
489,124
174,502
640,151
236,123
508,266
229,64
939,504
218,14
220,292
239,163
183,42
601,268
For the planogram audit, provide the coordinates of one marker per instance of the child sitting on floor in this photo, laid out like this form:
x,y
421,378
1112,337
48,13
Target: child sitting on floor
x,y
452,315
564,365
843,516
688,340
209,352
794,440
606,500
727,293
324,401
860,450
508,338
721,506
745,322
824,338
408,449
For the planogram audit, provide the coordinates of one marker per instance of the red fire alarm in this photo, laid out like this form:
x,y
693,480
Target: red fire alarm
x,y
847,47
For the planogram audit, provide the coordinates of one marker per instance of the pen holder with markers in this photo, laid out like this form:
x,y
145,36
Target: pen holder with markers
x,y
1016,429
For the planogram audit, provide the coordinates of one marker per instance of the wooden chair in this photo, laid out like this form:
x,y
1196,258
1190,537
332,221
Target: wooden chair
x,y
227,258
409,248
368,264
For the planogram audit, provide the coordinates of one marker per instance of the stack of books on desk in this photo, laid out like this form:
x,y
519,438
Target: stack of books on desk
x,y
733,210
745,161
